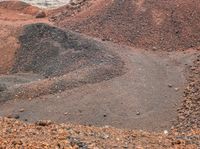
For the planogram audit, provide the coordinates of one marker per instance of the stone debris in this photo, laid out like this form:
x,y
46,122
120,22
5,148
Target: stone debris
x,y
16,134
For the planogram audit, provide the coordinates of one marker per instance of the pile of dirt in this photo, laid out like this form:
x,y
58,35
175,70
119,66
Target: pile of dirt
x,y
19,6
150,24
65,59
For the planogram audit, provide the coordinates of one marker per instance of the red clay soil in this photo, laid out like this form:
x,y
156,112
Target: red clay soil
x,y
19,6
150,24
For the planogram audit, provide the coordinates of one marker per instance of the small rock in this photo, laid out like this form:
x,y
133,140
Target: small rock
x,y
181,117
21,110
44,123
76,30
170,85
176,89
105,136
17,142
106,126
176,142
138,113
75,142
16,116
125,146
154,48
104,115
165,132
65,113
41,14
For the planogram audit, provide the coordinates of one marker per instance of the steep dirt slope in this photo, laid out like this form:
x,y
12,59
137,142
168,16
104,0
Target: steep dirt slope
x,y
150,24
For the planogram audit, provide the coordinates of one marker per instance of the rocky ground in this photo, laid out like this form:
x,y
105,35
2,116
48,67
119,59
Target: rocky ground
x,y
189,112
108,70
44,134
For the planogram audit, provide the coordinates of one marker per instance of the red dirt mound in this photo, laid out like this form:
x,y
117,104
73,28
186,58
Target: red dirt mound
x,y
19,6
150,24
